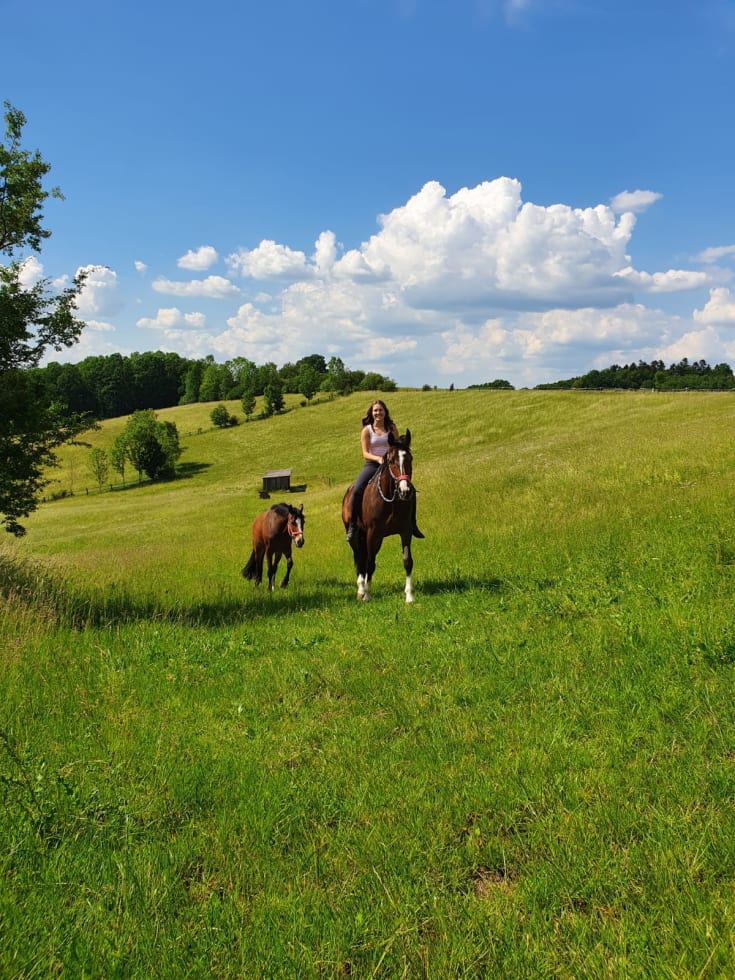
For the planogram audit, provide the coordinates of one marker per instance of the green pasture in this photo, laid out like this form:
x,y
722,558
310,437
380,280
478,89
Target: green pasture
x,y
529,772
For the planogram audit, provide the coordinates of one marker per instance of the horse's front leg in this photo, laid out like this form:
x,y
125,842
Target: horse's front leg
x,y
289,566
373,541
408,566
358,553
273,560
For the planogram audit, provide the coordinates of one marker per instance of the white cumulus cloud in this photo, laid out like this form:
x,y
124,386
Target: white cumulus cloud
x,y
484,246
197,261
672,281
30,272
268,261
172,318
710,255
100,294
634,201
214,287
720,308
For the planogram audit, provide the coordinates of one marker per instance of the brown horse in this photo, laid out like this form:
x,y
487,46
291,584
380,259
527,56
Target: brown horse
x,y
388,507
274,531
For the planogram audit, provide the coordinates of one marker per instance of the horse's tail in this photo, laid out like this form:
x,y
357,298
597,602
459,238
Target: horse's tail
x,y
251,567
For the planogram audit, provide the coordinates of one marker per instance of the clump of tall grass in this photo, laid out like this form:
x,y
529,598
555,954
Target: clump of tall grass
x,y
37,597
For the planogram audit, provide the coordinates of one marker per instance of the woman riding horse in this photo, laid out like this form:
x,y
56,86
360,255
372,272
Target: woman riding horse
x,y
388,507
377,426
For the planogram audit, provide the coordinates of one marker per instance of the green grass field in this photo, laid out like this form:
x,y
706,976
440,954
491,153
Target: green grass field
x,y
529,772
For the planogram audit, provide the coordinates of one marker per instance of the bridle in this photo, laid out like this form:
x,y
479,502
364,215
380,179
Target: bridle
x,y
293,528
396,476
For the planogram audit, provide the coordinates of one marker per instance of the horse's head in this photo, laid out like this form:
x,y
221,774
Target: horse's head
x,y
400,462
296,522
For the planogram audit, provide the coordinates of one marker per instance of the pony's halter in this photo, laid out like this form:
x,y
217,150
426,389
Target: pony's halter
x,y
294,528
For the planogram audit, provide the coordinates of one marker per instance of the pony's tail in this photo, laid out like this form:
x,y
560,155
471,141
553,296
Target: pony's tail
x,y
249,570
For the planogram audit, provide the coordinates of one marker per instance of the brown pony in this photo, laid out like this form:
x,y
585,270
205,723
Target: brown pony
x,y
274,531
388,507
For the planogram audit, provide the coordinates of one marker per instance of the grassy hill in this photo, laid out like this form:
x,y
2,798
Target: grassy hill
x,y
526,773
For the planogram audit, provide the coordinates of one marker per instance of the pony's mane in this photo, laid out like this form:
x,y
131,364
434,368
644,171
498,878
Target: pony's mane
x,y
285,510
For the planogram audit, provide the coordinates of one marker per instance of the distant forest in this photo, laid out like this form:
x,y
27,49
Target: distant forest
x,y
113,385
677,377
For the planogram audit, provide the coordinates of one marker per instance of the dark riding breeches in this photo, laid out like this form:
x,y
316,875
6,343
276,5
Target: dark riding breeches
x,y
363,478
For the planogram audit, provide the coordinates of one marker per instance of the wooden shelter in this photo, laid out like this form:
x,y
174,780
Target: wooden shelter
x,y
276,480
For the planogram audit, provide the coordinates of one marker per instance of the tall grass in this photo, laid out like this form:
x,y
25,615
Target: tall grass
x,y
526,773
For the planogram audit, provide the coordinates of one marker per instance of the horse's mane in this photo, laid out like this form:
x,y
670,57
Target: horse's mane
x,y
285,510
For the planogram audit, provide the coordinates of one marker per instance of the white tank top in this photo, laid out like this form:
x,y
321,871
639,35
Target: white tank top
x,y
378,443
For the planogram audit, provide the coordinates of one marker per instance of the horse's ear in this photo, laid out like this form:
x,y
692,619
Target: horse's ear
x,y
407,438
301,509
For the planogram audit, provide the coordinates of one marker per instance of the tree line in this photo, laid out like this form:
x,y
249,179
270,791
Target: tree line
x,y
681,376
108,386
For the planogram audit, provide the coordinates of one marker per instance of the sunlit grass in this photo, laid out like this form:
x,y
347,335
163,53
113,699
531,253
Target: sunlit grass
x,y
526,773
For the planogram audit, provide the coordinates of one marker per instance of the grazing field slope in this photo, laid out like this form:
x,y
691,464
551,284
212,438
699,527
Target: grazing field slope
x,y
527,772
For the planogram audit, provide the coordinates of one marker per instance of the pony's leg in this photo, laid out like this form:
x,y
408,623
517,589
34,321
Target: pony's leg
x,y
289,566
259,551
287,576
408,567
273,559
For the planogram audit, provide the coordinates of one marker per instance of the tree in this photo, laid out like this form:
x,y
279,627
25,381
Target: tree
x,y
221,417
248,402
167,436
32,319
119,455
211,388
273,398
192,382
99,465
373,381
309,380
151,446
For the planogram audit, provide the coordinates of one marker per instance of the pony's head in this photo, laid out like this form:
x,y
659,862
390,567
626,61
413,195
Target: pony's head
x,y
296,522
399,461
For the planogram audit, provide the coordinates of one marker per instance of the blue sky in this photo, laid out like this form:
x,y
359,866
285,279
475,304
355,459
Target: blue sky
x,y
444,191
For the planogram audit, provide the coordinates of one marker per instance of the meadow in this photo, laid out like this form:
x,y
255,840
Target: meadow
x,y
528,772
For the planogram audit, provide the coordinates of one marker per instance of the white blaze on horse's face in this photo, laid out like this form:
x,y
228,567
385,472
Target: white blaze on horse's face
x,y
404,484
296,528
